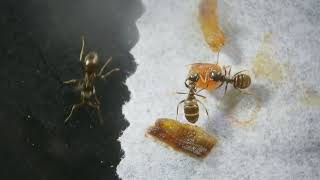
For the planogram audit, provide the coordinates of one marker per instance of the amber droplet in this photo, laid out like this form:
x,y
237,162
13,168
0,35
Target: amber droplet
x,y
209,21
186,138
204,69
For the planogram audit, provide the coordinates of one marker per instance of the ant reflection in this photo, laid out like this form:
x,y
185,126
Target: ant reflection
x,y
87,84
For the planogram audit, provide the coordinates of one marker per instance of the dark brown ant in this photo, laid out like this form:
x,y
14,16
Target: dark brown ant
x,y
191,107
86,85
239,80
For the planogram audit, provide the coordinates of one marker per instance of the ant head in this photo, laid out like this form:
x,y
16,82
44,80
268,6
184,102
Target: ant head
x,y
214,75
194,77
192,80
91,62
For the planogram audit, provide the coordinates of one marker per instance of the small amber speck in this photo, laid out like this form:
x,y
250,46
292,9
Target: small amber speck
x,y
186,138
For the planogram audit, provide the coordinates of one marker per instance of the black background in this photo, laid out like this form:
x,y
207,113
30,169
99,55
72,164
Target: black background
x,y
40,46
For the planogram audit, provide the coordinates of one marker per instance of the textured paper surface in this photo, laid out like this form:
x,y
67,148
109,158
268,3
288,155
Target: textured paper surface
x,y
284,140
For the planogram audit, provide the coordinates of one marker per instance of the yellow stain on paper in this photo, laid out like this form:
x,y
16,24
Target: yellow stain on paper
x,y
265,66
311,98
230,102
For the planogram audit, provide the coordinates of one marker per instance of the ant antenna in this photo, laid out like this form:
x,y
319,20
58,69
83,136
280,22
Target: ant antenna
x,y
81,52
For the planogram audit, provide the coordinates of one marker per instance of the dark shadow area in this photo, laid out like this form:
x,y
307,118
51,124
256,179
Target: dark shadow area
x,y
40,46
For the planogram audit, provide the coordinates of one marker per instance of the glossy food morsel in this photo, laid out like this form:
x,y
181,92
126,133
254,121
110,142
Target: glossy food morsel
x,y
182,137
209,21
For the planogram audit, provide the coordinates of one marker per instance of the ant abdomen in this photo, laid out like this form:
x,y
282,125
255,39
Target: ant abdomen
x,y
191,110
241,81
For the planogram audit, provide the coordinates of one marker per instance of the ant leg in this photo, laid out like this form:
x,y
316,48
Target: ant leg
x,y
225,69
225,73
97,107
220,84
200,96
181,93
81,52
109,73
72,81
105,65
204,107
225,90
203,89
74,107
96,99
178,108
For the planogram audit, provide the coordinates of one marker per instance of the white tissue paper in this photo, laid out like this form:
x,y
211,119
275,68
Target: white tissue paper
x,y
278,42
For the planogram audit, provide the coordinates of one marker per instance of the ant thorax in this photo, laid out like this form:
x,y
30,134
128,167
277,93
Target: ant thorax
x,y
192,90
89,79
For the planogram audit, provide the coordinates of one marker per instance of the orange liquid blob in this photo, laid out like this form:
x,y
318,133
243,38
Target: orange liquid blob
x,y
186,138
204,69
209,22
